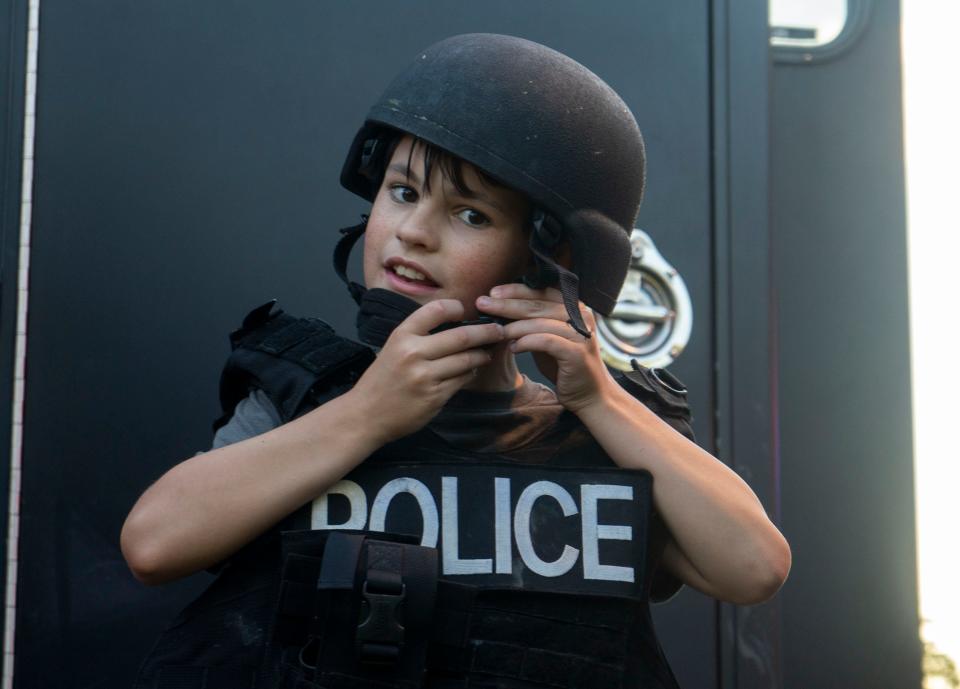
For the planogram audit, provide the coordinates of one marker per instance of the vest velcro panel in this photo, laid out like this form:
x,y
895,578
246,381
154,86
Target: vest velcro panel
x,y
288,358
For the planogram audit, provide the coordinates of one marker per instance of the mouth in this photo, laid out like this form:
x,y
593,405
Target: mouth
x,y
409,274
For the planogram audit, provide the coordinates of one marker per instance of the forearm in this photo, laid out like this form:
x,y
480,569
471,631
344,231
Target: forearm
x,y
211,505
717,523
208,507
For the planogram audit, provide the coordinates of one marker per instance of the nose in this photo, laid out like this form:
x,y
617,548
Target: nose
x,y
420,227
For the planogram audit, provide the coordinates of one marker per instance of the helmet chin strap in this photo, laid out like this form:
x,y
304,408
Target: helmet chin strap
x,y
544,240
341,254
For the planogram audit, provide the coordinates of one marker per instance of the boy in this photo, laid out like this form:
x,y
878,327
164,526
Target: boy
x,y
488,159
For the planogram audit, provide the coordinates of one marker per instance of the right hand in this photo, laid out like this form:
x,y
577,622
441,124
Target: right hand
x,y
416,372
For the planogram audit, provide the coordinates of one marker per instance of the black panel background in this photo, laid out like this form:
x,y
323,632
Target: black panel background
x,y
13,41
187,169
850,607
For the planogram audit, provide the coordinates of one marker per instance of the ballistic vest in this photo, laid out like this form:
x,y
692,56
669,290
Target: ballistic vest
x,y
428,566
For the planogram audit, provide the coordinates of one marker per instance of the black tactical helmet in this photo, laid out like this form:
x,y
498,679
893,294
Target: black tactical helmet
x,y
540,123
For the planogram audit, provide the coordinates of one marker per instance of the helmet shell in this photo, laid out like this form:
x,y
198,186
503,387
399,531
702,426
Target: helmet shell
x,y
540,123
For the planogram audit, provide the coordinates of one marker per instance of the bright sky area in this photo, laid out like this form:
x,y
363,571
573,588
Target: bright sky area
x,y
932,119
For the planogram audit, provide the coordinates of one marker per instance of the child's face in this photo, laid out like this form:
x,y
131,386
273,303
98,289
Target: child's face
x,y
442,243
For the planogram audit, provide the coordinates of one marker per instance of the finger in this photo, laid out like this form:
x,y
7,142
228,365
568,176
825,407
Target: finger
x,y
432,314
557,346
518,329
516,308
458,339
458,382
459,364
588,316
518,290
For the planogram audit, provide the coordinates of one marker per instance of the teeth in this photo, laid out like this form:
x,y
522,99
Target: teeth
x,y
409,273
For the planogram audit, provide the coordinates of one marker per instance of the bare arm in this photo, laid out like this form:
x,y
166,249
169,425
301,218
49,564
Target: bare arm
x,y
722,543
207,507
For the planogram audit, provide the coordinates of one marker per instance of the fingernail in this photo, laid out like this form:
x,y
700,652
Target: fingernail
x,y
495,292
484,301
513,345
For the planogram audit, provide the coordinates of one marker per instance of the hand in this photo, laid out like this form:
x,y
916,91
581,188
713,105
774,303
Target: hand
x,y
416,372
539,325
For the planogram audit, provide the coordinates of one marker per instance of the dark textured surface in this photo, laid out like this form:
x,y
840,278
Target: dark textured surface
x,y
188,161
13,38
746,375
850,607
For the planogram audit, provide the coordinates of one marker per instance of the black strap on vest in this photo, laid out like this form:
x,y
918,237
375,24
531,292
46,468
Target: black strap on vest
x,y
361,612
662,392
288,358
380,634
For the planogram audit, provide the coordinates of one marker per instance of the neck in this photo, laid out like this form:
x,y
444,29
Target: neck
x,y
500,375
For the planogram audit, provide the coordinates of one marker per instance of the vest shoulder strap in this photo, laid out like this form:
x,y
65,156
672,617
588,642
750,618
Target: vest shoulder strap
x,y
293,360
662,392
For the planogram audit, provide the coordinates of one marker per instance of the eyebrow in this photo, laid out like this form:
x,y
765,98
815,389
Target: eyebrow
x,y
480,196
402,169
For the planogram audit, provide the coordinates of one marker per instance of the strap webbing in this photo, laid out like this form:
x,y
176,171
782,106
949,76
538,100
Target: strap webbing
x,y
187,677
341,255
544,239
340,557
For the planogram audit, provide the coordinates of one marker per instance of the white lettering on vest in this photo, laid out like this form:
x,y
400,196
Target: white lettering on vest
x,y
501,511
521,526
452,564
593,532
428,508
320,511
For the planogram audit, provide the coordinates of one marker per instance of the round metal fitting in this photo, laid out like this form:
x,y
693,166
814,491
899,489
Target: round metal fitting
x,y
653,318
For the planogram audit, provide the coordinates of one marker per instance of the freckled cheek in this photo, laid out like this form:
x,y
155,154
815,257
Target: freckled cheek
x,y
476,277
472,277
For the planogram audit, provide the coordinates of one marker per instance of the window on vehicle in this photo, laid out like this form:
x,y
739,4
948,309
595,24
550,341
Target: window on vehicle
x,y
806,23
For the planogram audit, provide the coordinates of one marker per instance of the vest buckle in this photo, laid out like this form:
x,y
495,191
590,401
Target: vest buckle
x,y
379,633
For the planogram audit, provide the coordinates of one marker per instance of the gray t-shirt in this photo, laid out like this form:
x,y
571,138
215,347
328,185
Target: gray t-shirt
x,y
253,415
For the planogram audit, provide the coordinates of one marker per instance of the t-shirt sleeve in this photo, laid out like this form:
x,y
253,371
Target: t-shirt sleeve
x,y
255,414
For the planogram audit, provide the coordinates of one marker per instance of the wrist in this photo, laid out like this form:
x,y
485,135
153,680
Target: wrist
x,y
356,418
609,400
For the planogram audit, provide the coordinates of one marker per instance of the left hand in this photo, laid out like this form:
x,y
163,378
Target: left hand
x,y
539,325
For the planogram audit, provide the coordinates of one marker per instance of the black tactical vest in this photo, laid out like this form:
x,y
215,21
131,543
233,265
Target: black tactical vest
x,y
428,566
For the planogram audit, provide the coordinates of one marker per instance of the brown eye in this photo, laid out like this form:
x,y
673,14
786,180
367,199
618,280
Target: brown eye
x,y
401,193
473,218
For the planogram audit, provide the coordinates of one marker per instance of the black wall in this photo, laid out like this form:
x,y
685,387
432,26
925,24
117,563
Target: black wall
x,y
13,40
